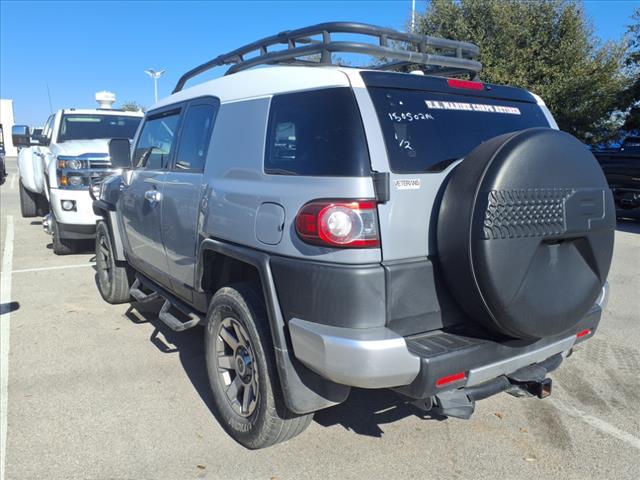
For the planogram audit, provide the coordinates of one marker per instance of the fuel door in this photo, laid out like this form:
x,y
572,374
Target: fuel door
x,y
269,223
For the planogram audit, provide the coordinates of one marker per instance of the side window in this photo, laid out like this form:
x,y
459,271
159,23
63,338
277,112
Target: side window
x,y
48,127
156,142
316,133
195,136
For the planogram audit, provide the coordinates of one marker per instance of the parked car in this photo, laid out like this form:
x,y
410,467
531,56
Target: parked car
x,y
3,165
621,166
335,227
56,169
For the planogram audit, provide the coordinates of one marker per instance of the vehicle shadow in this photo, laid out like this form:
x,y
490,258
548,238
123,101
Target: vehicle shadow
x,y
628,226
188,345
9,307
364,412
81,247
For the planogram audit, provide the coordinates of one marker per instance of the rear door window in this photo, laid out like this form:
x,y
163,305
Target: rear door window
x,y
427,131
156,142
195,136
316,133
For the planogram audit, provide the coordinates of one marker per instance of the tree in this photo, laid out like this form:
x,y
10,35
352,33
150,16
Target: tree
x,y
132,106
630,97
545,46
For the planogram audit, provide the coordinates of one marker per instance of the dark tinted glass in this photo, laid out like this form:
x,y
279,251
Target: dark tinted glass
x,y
194,139
316,133
426,132
156,142
89,127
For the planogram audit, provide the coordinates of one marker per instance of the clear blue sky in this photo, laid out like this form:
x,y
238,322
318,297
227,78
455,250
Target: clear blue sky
x,y
78,48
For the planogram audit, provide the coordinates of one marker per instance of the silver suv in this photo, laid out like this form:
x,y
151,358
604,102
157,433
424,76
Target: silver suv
x,y
397,226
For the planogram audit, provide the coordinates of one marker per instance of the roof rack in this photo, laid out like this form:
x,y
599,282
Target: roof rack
x,y
453,57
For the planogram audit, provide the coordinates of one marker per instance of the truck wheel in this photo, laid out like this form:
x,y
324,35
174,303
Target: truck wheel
x,y
112,279
28,202
242,371
61,246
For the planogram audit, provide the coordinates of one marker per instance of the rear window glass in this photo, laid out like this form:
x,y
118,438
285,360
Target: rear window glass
x,y
427,131
317,133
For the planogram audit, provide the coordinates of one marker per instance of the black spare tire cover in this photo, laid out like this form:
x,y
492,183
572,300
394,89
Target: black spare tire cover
x,y
525,232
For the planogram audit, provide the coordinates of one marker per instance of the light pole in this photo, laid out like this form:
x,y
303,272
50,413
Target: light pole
x,y
155,75
413,16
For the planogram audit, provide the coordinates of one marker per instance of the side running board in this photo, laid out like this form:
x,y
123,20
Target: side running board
x,y
136,292
165,315
173,322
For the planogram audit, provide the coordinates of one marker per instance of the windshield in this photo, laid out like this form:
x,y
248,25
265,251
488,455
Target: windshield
x,y
89,127
427,131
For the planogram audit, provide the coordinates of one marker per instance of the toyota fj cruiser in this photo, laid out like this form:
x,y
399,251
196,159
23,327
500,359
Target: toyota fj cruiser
x,y
336,227
57,168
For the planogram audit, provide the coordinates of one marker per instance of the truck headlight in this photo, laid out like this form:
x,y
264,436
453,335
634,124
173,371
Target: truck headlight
x,y
70,163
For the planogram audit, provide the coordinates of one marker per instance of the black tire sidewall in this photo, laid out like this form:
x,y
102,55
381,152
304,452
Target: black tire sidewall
x,y
101,230
229,303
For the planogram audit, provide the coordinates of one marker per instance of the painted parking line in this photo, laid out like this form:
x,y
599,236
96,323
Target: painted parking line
x,y
60,267
5,319
597,423
12,182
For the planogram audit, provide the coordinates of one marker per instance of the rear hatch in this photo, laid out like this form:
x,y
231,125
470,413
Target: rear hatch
x,y
428,124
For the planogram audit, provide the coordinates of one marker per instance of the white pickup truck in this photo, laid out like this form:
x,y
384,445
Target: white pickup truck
x,y
57,169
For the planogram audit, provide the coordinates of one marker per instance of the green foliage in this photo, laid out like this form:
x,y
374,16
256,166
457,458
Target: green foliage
x,y
630,97
545,46
132,106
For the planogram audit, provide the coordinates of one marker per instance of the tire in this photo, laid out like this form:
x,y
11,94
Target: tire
x,y
240,312
525,233
28,202
61,246
113,280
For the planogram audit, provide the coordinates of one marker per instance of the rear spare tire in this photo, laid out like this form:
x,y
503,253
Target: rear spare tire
x,y
525,232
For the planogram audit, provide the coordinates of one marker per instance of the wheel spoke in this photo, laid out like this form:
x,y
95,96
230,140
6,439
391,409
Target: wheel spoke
x,y
229,339
226,361
232,391
246,398
239,335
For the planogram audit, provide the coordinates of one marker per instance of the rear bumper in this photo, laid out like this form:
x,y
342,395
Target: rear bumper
x,y
380,358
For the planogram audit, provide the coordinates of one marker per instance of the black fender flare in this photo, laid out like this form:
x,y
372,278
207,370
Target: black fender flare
x,y
304,391
109,215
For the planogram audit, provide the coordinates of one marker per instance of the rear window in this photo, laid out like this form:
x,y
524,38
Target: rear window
x,y
427,131
316,133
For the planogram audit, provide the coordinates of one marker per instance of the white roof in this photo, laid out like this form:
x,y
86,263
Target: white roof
x,y
106,111
262,82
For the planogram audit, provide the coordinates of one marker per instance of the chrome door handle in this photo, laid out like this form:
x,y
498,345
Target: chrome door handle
x,y
152,196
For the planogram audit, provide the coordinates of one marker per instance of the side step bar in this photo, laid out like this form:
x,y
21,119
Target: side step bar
x,y
173,322
165,315
136,292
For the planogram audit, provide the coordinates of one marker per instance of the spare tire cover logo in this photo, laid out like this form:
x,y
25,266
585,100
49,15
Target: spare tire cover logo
x,y
542,212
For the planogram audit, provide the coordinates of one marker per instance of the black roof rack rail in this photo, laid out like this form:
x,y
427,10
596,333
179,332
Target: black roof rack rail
x,y
453,57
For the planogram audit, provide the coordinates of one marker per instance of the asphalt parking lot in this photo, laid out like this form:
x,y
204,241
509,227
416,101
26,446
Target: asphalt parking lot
x,y
107,392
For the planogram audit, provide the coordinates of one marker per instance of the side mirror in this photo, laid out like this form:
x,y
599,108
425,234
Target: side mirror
x,y
120,152
20,136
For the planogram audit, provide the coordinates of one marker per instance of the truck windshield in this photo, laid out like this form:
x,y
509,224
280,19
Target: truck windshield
x,y
427,131
89,127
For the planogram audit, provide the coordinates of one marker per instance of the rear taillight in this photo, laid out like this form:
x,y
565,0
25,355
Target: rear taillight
x,y
339,223
456,377
466,84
